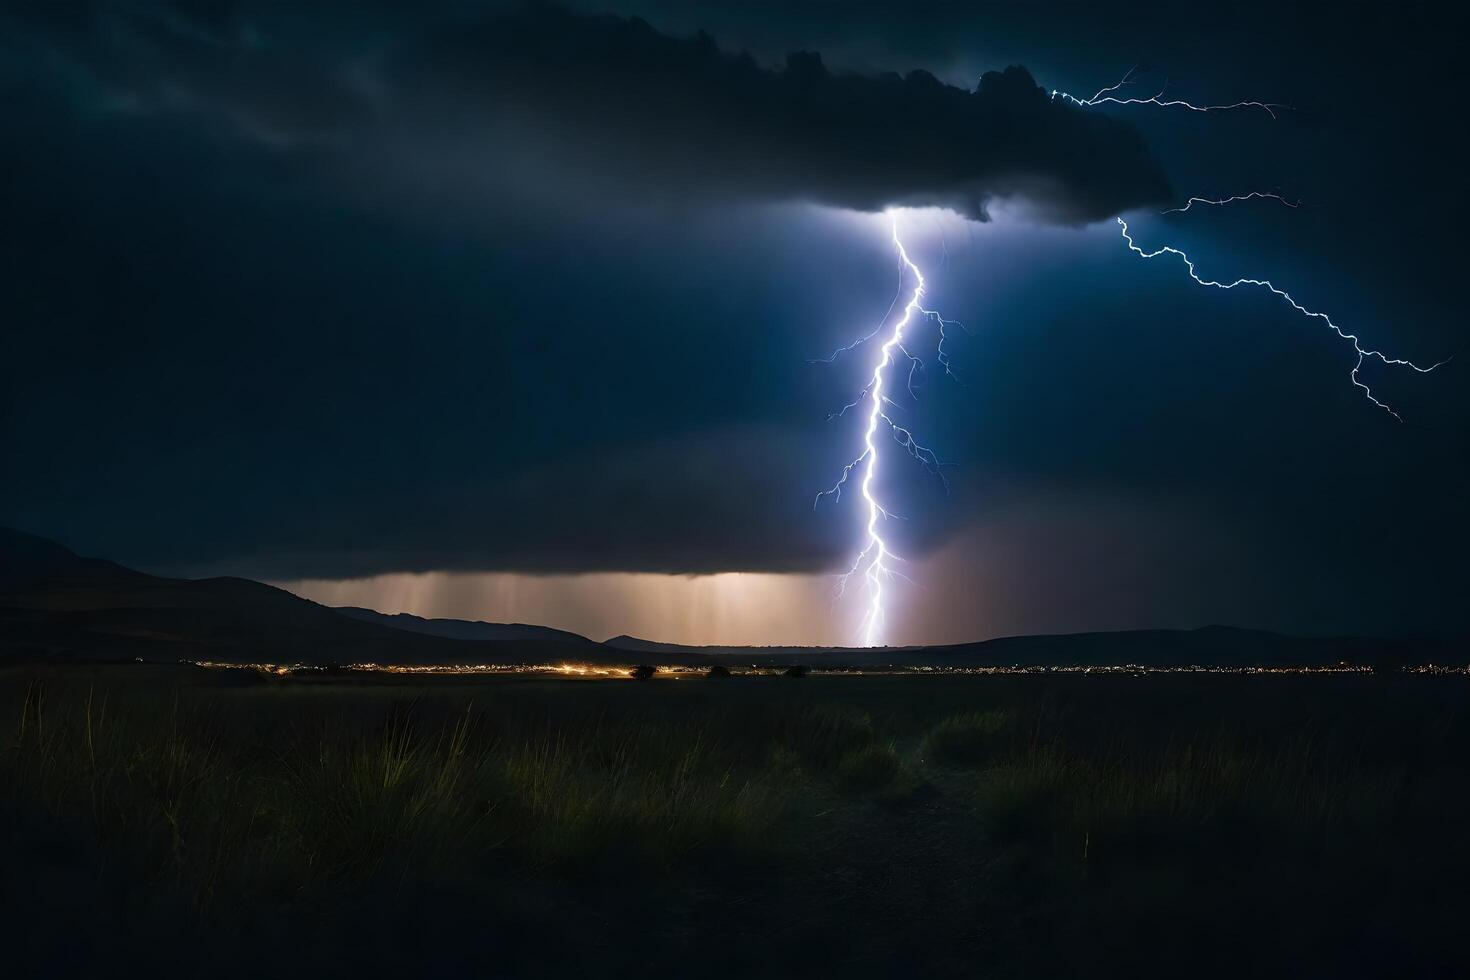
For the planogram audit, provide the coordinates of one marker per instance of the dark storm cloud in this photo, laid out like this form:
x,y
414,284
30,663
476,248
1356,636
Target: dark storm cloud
x,y
539,94
593,513
682,111
211,63
281,295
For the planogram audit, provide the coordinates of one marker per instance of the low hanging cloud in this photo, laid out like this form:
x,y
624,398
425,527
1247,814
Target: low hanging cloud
x,y
570,105
682,116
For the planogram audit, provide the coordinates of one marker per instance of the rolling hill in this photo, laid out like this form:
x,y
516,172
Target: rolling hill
x,y
460,629
55,604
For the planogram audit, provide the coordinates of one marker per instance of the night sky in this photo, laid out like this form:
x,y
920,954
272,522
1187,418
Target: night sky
x,y
333,294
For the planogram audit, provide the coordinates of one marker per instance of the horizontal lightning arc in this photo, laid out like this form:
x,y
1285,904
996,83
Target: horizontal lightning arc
x,y
1105,96
1221,202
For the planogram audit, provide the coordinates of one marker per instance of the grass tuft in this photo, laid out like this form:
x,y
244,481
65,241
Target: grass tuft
x,y
869,769
967,739
1234,796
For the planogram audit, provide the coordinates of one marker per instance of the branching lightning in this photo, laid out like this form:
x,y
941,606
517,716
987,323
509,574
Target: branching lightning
x,y
1106,96
1221,202
1362,352
876,559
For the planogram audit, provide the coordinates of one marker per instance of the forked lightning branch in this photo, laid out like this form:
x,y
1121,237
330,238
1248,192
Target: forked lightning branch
x,y
876,559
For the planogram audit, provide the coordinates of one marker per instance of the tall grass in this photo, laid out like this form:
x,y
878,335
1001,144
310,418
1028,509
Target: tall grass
x,y
1216,791
1115,814
968,739
279,805
870,768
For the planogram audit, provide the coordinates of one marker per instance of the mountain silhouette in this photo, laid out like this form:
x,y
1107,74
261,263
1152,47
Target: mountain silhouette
x,y
460,629
55,604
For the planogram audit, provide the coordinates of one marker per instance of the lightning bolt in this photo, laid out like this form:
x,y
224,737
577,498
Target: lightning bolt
x,y
1105,96
1362,353
876,559
1221,202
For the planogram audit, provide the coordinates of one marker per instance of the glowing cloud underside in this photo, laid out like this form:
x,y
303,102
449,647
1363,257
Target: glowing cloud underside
x,y
876,559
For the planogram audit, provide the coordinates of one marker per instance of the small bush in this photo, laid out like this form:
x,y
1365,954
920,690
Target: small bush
x,y
643,672
965,740
796,670
718,670
869,769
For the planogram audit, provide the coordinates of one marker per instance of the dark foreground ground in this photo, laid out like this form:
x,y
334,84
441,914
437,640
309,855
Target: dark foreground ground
x,y
180,822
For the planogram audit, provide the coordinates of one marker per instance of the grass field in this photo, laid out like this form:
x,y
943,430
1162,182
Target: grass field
x,y
197,822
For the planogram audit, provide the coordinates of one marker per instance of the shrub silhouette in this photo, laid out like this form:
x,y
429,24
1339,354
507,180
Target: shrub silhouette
x,y
718,670
643,672
796,670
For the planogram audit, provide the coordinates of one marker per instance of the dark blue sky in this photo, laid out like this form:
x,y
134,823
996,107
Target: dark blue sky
x,y
275,303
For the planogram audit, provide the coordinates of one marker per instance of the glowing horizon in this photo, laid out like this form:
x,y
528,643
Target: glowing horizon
x,y
715,609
